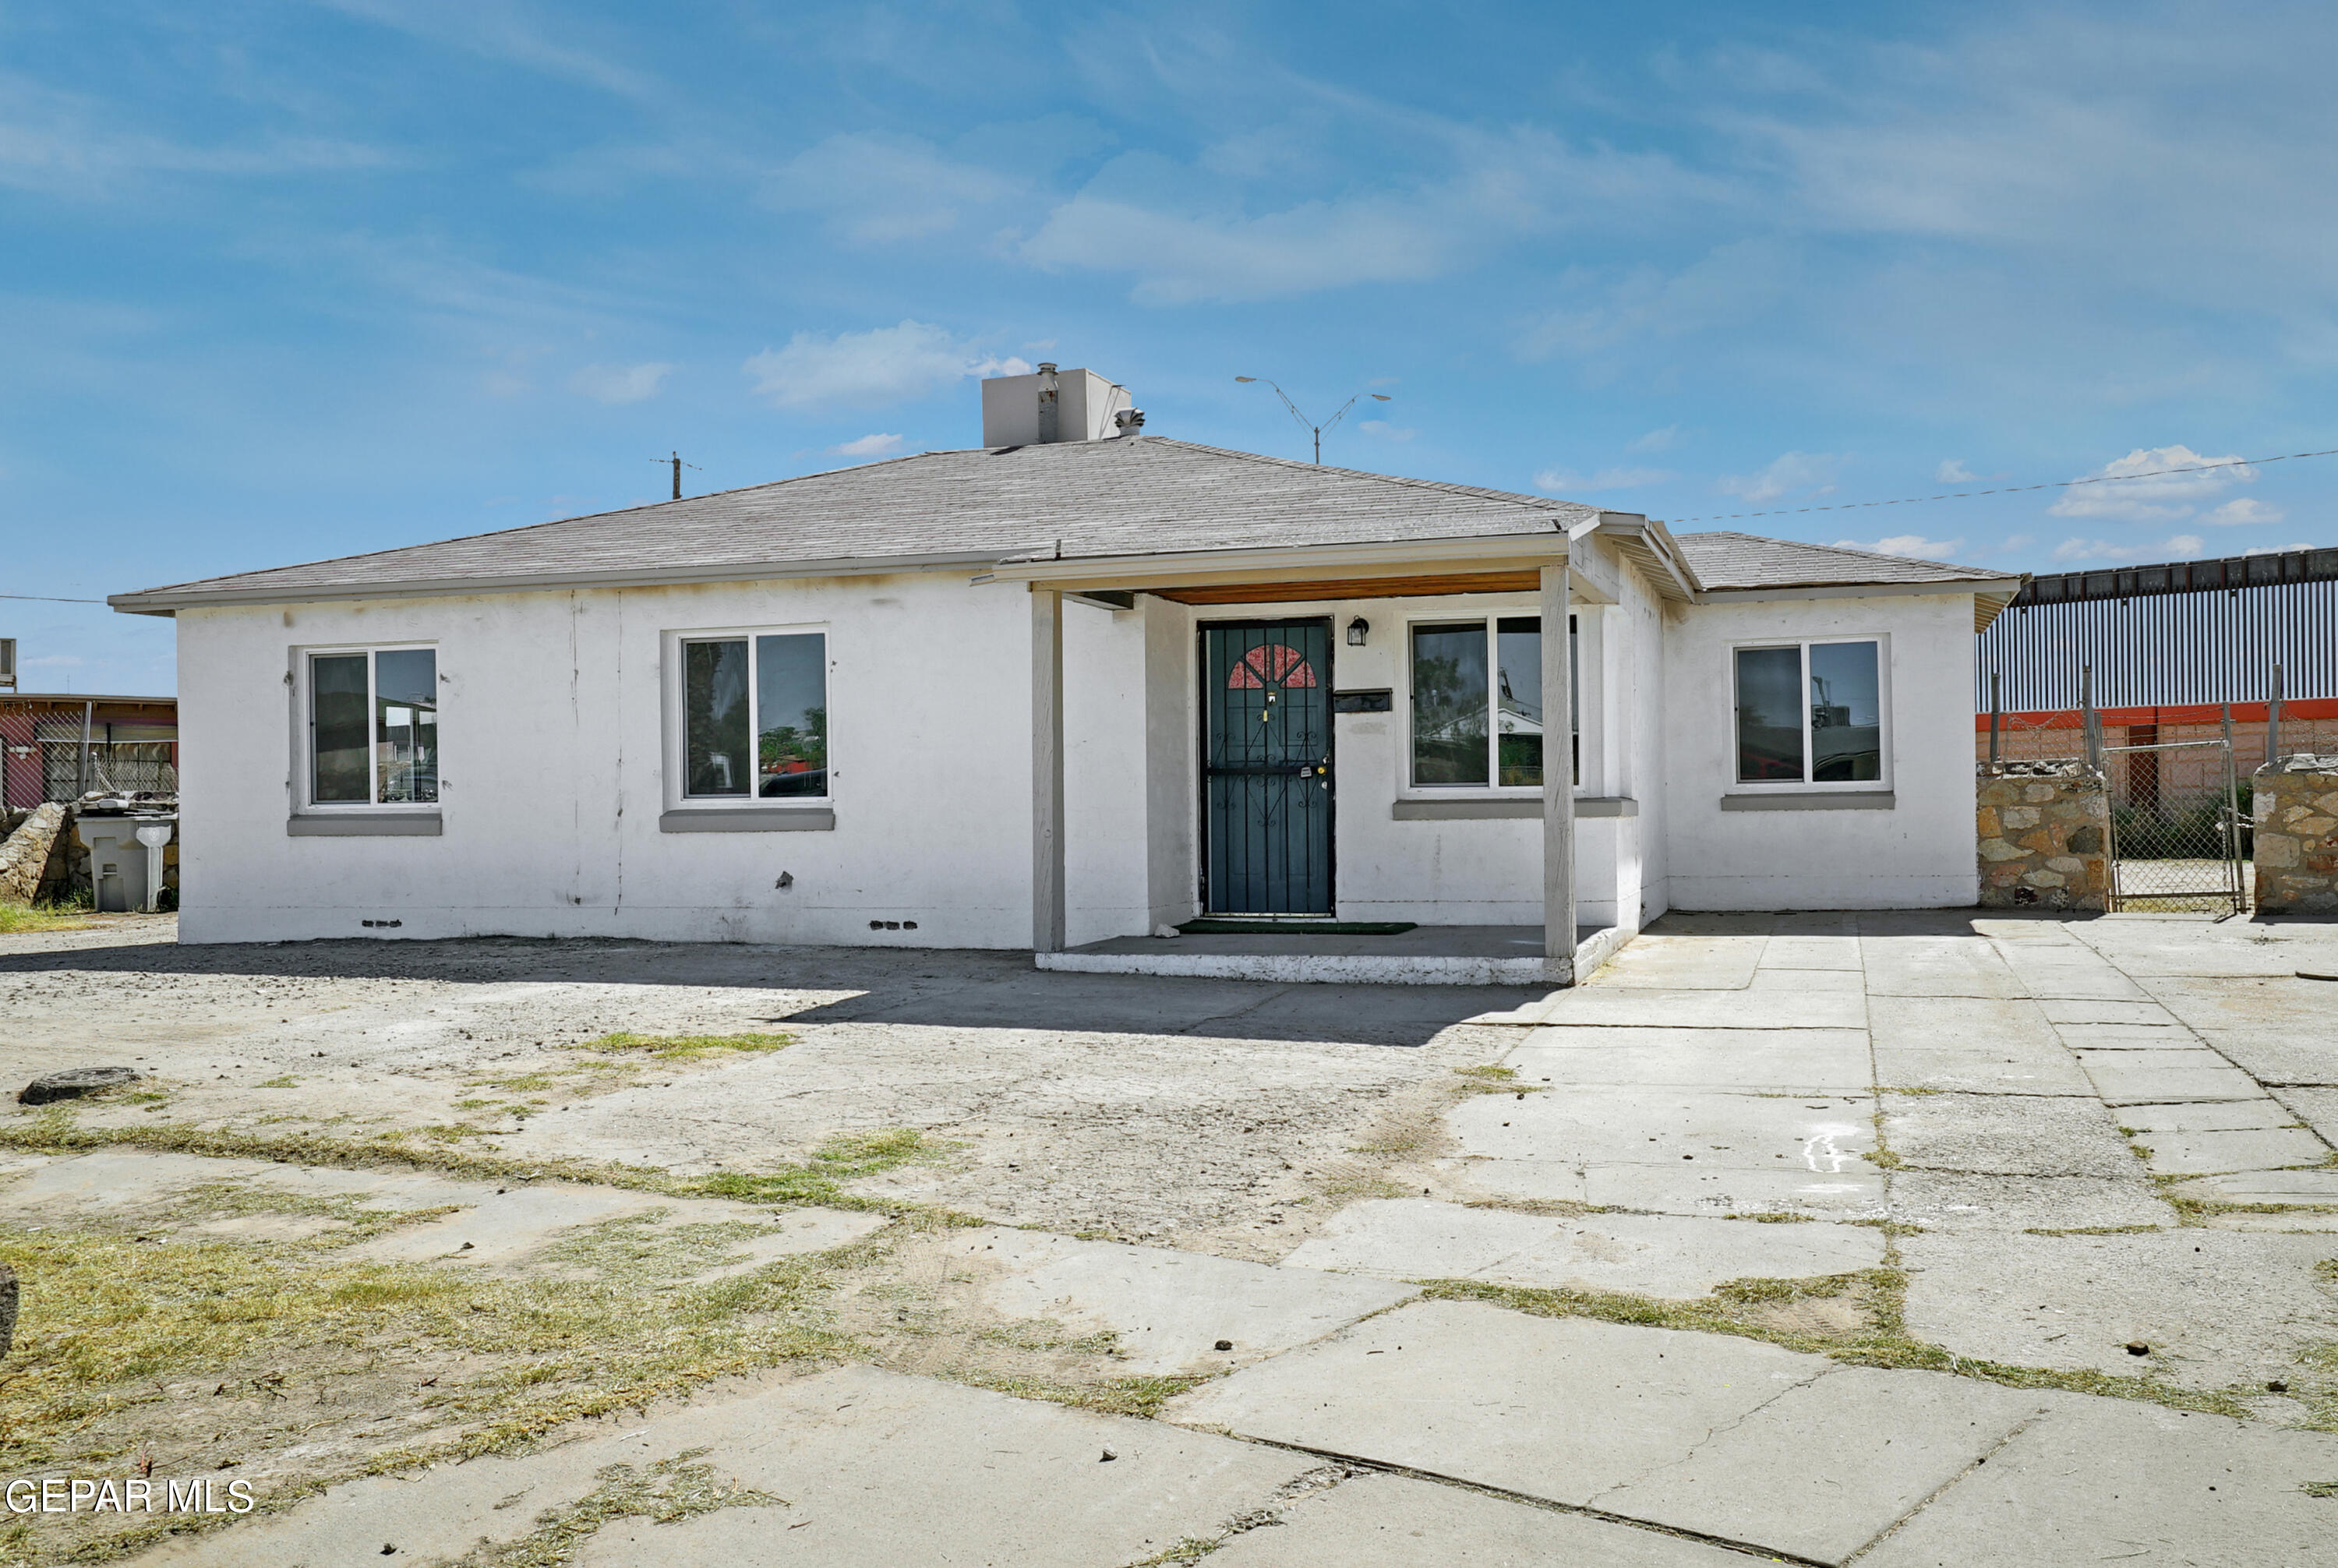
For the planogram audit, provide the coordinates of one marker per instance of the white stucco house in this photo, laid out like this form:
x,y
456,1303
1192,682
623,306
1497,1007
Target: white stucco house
x,y
1075,685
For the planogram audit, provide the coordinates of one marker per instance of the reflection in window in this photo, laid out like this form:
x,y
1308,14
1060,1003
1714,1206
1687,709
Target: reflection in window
x,y
791,714
1768,715
1809,713
715,700
1517,717
1846,713
1449,704
784,685
373,728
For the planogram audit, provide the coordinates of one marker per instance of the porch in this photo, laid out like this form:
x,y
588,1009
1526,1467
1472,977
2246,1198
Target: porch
x,y
1424,955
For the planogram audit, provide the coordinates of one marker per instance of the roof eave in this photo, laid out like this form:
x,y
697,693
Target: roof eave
x,y
170,601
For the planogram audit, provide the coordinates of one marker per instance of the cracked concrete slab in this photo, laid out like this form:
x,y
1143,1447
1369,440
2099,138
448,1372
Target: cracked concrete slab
x,y
1556,1408
2278,1058
2068,974
1817,1062
1383,1521
2169,1036
2016,1025
2278,1007
1676,1189
2166,1077
1813,953
2316,1187
1982,1070
1660,1255
1848,981
1953,1200
1937,966
874,1469
1168,1310
1995,1134
1636,1125
1828,1465
1616,1007
2208,1153
2061,1011
2077,1301
2107,1479
2317,1108
1682,963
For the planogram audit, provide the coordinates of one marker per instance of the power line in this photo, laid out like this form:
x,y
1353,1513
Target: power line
x,y
2014,489
51,599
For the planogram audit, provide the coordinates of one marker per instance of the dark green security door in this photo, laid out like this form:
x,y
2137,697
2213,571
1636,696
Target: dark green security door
x,y
1266,767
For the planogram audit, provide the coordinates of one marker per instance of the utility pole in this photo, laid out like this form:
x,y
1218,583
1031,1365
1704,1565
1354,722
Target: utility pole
x,y
1305,423
675,458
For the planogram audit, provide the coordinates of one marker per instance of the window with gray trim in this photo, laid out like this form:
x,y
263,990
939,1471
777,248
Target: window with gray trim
x,y
1810,714
1478,703
755,717
373,727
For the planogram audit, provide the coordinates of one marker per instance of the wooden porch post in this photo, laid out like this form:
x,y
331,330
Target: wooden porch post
x,y
1557,778
1047,770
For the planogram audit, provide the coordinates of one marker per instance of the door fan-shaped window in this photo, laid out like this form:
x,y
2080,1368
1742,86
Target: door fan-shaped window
x,y
1271,664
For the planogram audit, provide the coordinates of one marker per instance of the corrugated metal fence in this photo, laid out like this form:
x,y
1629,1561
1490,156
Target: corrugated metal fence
x,y
2164,636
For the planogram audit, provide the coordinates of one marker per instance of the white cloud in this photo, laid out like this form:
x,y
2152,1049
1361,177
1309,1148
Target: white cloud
x,y
878,188
2244,509
2018,542
620,384
2118,497
869,446
1954,472
1914,544
2078,551
1791,472
1565,481
2276,549
1663,440
1384,431
56,661
866,369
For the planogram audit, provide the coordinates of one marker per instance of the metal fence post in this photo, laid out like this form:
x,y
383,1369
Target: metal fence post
x,y
2090,722
2272,721
1995,717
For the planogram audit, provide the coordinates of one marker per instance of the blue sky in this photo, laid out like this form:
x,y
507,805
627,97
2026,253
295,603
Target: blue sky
x,y
283,281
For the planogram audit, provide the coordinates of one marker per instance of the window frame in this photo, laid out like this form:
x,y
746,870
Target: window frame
x,y
1489,620
1806,784
678,796
304,725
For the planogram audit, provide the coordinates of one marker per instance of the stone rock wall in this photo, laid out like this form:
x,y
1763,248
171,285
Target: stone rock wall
x,y
2296,808
24,857
2044,828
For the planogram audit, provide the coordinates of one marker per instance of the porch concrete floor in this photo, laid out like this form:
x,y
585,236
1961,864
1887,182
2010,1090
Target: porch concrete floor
x,y
1424,955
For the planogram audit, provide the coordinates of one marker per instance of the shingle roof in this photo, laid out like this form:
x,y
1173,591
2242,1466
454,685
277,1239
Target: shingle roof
x,y
1122,497
1726,560
1118,497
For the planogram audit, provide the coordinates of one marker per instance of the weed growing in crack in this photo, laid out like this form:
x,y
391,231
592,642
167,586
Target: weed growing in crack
x,y
665,1492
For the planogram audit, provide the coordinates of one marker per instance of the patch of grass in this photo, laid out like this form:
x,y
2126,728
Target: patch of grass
x,y
19,918
2320,1488
686,1047
1491,1080
286,1081
668,1491
1774,1217
1894,1089
1138,1396
1741,1307
2092,1231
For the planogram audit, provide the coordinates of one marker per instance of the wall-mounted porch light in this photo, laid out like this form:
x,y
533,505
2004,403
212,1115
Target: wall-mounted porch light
x,y
1357,631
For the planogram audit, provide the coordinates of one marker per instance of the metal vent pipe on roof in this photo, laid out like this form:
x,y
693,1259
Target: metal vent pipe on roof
x,y
1050,405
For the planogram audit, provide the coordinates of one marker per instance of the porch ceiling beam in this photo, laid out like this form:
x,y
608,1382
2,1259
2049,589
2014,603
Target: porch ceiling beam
x,y
1311,563
1422,587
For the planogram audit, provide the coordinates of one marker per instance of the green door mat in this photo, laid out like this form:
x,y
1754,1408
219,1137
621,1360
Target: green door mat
x,y
1222,928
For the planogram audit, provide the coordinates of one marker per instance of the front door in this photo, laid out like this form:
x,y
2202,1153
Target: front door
x,y
1266,767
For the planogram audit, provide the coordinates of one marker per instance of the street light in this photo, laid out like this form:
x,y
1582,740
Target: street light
x,y
1304,423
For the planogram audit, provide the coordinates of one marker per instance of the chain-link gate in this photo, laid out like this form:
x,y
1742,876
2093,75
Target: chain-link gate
x,y
2178,839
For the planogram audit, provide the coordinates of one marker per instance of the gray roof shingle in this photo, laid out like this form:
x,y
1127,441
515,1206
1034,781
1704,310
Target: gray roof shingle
x,y
1149,496
1727,560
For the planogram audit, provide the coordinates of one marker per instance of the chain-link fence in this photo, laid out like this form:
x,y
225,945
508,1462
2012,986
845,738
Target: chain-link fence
x,y
2180,839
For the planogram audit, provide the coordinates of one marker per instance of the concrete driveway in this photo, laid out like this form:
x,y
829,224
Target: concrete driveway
x,y
1894,1238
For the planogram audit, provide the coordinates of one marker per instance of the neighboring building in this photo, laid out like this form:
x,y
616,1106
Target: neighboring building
x,y
1053,691
56,746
